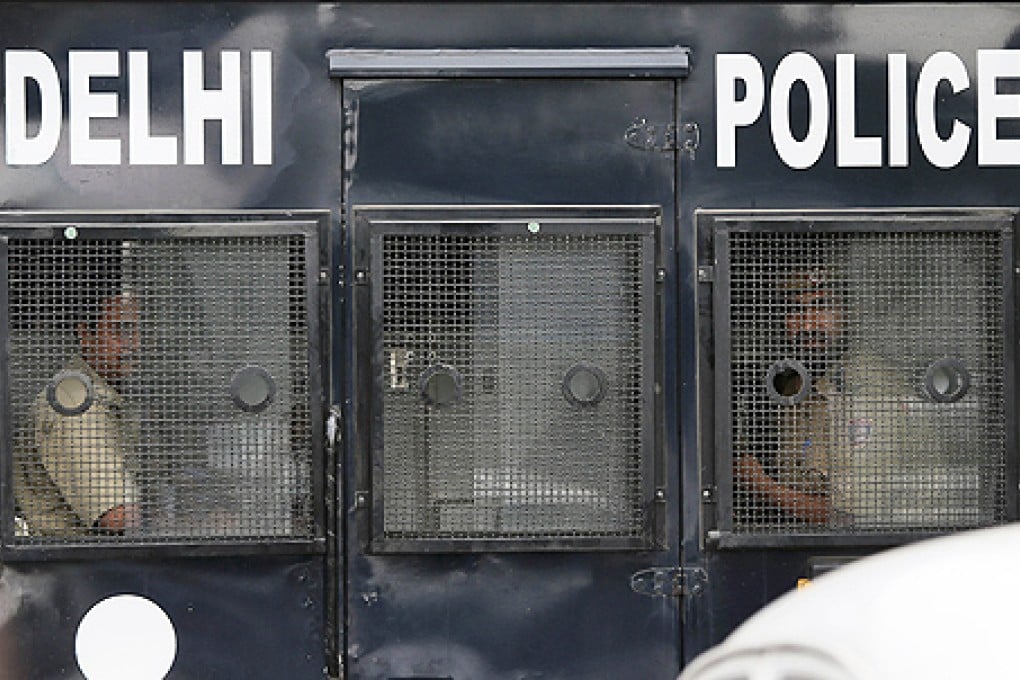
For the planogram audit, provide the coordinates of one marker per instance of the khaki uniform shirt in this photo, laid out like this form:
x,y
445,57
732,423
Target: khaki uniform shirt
x,y
81,464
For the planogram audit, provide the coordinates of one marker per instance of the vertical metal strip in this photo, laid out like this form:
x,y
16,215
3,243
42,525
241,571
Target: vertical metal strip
x,y
1009,321
651,454
376,320
7,436
331,480
362,398
315,298
723,371
342,342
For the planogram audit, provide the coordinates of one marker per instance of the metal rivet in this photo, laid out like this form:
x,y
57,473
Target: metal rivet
x,y
71,233
534,227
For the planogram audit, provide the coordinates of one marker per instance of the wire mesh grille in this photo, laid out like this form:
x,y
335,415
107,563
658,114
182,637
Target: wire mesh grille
x,y
159,389
866,381
513,377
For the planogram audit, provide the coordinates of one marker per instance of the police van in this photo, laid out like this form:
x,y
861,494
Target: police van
x,y
488,341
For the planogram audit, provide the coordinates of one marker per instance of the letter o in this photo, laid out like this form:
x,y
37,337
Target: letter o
x,y
799,154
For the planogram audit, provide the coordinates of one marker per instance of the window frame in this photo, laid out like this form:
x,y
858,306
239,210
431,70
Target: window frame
x,y
371,223
716,455
313,226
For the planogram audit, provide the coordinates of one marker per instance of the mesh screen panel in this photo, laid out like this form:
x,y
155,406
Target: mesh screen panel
x,y
540,341
192,354
866,380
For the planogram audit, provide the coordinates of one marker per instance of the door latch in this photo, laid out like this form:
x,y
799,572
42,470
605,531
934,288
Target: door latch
x,y
669,581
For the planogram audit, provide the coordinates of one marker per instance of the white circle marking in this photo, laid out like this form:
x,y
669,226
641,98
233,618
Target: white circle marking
x,y
125,637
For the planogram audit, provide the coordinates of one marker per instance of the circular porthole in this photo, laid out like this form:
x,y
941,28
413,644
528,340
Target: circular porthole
x,y
787,382
946,380
125,637
70,393
441,386
584,385
252,389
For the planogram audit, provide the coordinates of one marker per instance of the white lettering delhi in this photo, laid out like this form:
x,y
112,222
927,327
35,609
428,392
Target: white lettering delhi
x,y
36,145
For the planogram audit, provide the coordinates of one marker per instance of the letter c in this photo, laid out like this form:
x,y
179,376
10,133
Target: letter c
x,y
942,153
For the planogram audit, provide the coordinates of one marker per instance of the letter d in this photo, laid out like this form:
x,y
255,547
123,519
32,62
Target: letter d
x,y
19,66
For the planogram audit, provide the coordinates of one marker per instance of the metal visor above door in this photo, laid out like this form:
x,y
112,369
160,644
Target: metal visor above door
x,y
512,355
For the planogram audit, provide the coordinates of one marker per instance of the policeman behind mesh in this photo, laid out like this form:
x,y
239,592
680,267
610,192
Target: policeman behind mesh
x,y
841,447
813,334
80,482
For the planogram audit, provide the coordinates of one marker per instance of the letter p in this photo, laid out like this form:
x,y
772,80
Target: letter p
x,y
731,113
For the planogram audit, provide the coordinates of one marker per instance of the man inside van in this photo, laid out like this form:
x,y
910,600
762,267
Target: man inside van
x,y
79,480
813,331
851,437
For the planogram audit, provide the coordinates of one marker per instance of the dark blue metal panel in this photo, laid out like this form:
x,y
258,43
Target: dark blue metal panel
x,y
255,616
569,615
740,582
437,604
258,618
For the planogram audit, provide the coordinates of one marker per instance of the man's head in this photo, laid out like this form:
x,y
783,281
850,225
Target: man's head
x,y
110,338
814,320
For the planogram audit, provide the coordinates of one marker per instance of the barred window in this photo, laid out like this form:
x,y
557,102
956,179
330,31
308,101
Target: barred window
x,y
866,382
514,380
160,385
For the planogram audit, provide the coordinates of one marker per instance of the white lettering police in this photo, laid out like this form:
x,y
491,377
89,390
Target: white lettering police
x,y
853,151
36,144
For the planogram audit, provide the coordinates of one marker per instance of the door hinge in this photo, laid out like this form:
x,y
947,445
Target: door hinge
x,y
350,115
706,274
669,581
691,137
651,136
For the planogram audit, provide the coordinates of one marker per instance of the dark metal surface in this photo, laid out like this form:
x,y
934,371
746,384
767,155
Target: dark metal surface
x,y
233,617
516,143
743,580
430,142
